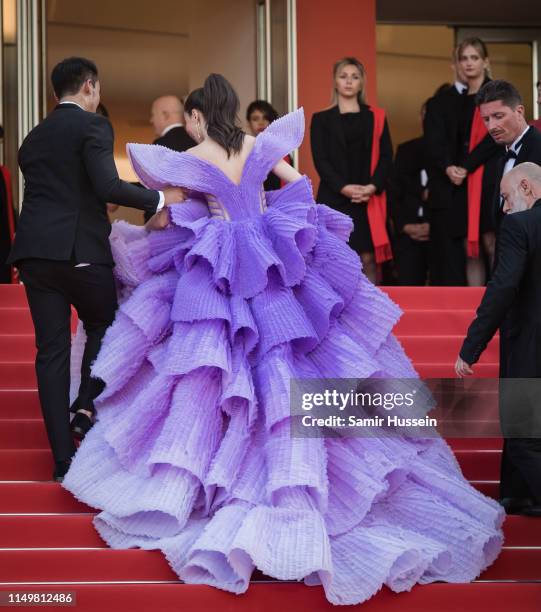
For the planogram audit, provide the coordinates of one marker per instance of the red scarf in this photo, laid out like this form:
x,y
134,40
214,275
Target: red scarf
x,y
9,209
377,204
475,186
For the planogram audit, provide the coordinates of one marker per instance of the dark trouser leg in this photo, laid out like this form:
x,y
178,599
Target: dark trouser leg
x,y
411,259
51,313
522,461
93,294
447,257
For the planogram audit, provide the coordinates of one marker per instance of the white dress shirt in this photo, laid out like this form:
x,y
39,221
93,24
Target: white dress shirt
x,y
515,147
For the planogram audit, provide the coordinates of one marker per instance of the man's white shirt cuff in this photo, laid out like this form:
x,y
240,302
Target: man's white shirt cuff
x,y
161,203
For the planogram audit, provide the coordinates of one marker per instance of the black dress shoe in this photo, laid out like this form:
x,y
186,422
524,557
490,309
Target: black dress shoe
x,y
81,425
532,511
60,470
516,505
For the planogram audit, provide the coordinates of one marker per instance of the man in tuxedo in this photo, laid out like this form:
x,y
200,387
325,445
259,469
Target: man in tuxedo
x,y
514,292
166,118
502,110
62,243
441,124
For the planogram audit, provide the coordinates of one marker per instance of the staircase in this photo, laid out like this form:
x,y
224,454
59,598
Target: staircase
x,y
48,543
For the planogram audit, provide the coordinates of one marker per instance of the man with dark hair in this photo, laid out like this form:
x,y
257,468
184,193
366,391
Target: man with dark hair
x,y
62,244
501,109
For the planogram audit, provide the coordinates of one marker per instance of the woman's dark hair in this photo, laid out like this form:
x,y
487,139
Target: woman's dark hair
x,y
69,75
219,103
496,90
268,110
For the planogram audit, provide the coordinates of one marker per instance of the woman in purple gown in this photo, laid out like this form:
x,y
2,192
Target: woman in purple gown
x,y
191,453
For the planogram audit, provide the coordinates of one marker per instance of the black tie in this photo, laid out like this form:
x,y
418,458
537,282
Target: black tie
x,y
510,155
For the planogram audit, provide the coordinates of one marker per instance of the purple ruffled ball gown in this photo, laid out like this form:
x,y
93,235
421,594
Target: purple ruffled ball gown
x,y
192,452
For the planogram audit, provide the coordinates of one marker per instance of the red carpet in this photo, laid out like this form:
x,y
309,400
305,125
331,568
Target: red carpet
x,y
46,536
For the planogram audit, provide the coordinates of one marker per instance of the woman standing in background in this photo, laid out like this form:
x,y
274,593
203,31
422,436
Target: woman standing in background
x,y
475,173
353,154
259,115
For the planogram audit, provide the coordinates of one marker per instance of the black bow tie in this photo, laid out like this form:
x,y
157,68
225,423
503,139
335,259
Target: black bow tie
x,y
510,155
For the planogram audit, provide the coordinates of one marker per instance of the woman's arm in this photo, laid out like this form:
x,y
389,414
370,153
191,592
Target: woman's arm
x,y
320,155
285,172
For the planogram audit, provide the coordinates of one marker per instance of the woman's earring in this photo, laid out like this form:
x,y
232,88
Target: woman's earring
x,y
199,132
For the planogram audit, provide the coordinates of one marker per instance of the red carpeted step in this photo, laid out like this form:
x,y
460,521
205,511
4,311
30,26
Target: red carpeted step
x,y
22,433
443,349
12,296
490,488
269,597
475,443
434,322
436,298
88,565
38,497
105,564
26,464
438,370
17,347
19,403
17,375
49,531
15,320
479,465
77,531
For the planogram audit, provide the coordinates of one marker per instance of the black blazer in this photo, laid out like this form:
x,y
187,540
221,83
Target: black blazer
x,y
441,140
530,151
329,152
407,188
69,175
176,138
513,294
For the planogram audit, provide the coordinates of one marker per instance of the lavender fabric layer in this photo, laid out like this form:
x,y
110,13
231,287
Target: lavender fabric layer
x,y
192,452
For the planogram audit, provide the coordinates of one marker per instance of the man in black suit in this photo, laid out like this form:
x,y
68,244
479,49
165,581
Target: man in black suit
x,y
502,110
62,244
514,293
441,124
166,117
409,195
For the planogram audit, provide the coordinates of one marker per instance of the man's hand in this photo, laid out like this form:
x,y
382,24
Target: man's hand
x,y
462,368
173,195
456,174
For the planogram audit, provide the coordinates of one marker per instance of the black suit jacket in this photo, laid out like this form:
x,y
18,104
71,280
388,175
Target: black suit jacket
x,y
70,175
513,294
530,151
441,140
176,138
407,188
329,151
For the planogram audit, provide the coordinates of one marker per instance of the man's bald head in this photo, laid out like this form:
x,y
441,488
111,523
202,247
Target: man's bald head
x,y
521,187
166,111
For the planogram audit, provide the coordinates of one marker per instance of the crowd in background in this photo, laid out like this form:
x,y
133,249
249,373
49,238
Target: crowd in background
x,y
428,214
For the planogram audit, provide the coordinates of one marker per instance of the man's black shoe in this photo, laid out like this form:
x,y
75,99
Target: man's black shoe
x,y
516,505
60,470
81,425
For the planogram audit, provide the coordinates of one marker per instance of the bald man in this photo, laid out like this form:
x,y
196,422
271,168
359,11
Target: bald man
x,y
514,294
166,117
